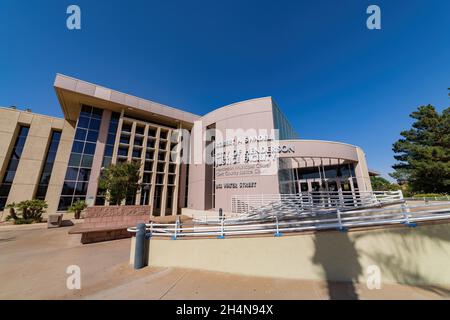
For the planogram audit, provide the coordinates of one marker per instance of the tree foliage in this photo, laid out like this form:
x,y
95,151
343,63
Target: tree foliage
x,y
423,154
381,184
120,180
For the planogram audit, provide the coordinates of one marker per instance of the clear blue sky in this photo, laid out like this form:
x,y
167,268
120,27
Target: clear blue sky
x,y
333,78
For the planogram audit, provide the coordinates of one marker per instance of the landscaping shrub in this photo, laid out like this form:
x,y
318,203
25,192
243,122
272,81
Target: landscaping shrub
x,y
77,207
430,195
26,212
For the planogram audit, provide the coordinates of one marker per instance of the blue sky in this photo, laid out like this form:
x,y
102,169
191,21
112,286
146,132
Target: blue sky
x,y
332,77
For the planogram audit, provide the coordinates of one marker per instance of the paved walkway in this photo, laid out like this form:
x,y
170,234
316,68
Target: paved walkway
x,y
33,263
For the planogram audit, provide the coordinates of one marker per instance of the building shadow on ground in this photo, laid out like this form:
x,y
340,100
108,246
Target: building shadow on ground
x,y
336,254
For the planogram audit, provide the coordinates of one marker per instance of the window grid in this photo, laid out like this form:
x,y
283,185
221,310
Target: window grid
x,y
13,163
81,158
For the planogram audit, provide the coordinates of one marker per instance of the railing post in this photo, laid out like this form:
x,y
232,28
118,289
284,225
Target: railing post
x,y
139,246
278,233
222,233
405,211
174,237
341,227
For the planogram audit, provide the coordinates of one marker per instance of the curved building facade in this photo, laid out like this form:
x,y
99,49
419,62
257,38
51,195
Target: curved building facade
x,y
186,160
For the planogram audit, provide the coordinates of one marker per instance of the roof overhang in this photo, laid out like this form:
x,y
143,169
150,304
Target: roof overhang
x,y
72,93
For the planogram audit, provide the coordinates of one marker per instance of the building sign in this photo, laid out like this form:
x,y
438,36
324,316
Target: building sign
x,y
262,153
235,158
234,185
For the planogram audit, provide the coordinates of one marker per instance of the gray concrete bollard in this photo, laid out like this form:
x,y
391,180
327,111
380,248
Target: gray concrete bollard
x,y
139,252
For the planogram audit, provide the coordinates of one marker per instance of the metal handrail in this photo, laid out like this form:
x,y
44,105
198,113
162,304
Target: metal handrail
x,y
341,221
242,204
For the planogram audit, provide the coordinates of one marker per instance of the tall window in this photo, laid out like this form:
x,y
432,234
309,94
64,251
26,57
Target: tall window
x,y
81,158
13,163
48,166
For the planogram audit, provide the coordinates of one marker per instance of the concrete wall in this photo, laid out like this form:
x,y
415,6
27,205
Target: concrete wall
x,y
249,116
416,256
34,152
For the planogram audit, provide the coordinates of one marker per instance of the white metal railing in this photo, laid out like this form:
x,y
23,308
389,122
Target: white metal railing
x,y
247,204
341,220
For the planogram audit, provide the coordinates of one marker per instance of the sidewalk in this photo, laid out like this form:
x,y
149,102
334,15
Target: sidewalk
x,y
33,266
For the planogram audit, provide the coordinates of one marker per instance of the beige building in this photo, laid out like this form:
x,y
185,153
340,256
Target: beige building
x,y
187,161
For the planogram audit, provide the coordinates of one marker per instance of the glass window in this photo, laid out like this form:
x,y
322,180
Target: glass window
x,y
124,139
75,159
84,174
83,150
126,127
65,203
163,134
13,164
108,151
4,189
23,131
148,166
151,132
94,124
80,134
140,130
138,141
68,188
45,178
159,178
111,139
51,156
87,161
146,178
136,153
83,122
89,148
160,167
92,136
106,161
71,174
77,147
86,111
122,152
81,188
97,113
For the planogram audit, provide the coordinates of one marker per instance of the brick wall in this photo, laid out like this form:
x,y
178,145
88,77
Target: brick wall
x,y
105,223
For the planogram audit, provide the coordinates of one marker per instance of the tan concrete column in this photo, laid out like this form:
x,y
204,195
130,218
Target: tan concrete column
x,y
361,172
31,160
153,180
60,166
98,158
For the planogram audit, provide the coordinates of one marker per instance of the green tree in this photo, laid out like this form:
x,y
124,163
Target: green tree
x,y
381,184
424,152
120,180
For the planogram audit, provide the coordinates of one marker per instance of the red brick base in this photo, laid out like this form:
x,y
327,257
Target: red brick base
x,y
99,236
104,223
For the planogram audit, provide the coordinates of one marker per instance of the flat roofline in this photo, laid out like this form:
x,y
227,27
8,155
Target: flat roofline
x,y
66,85
30,112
